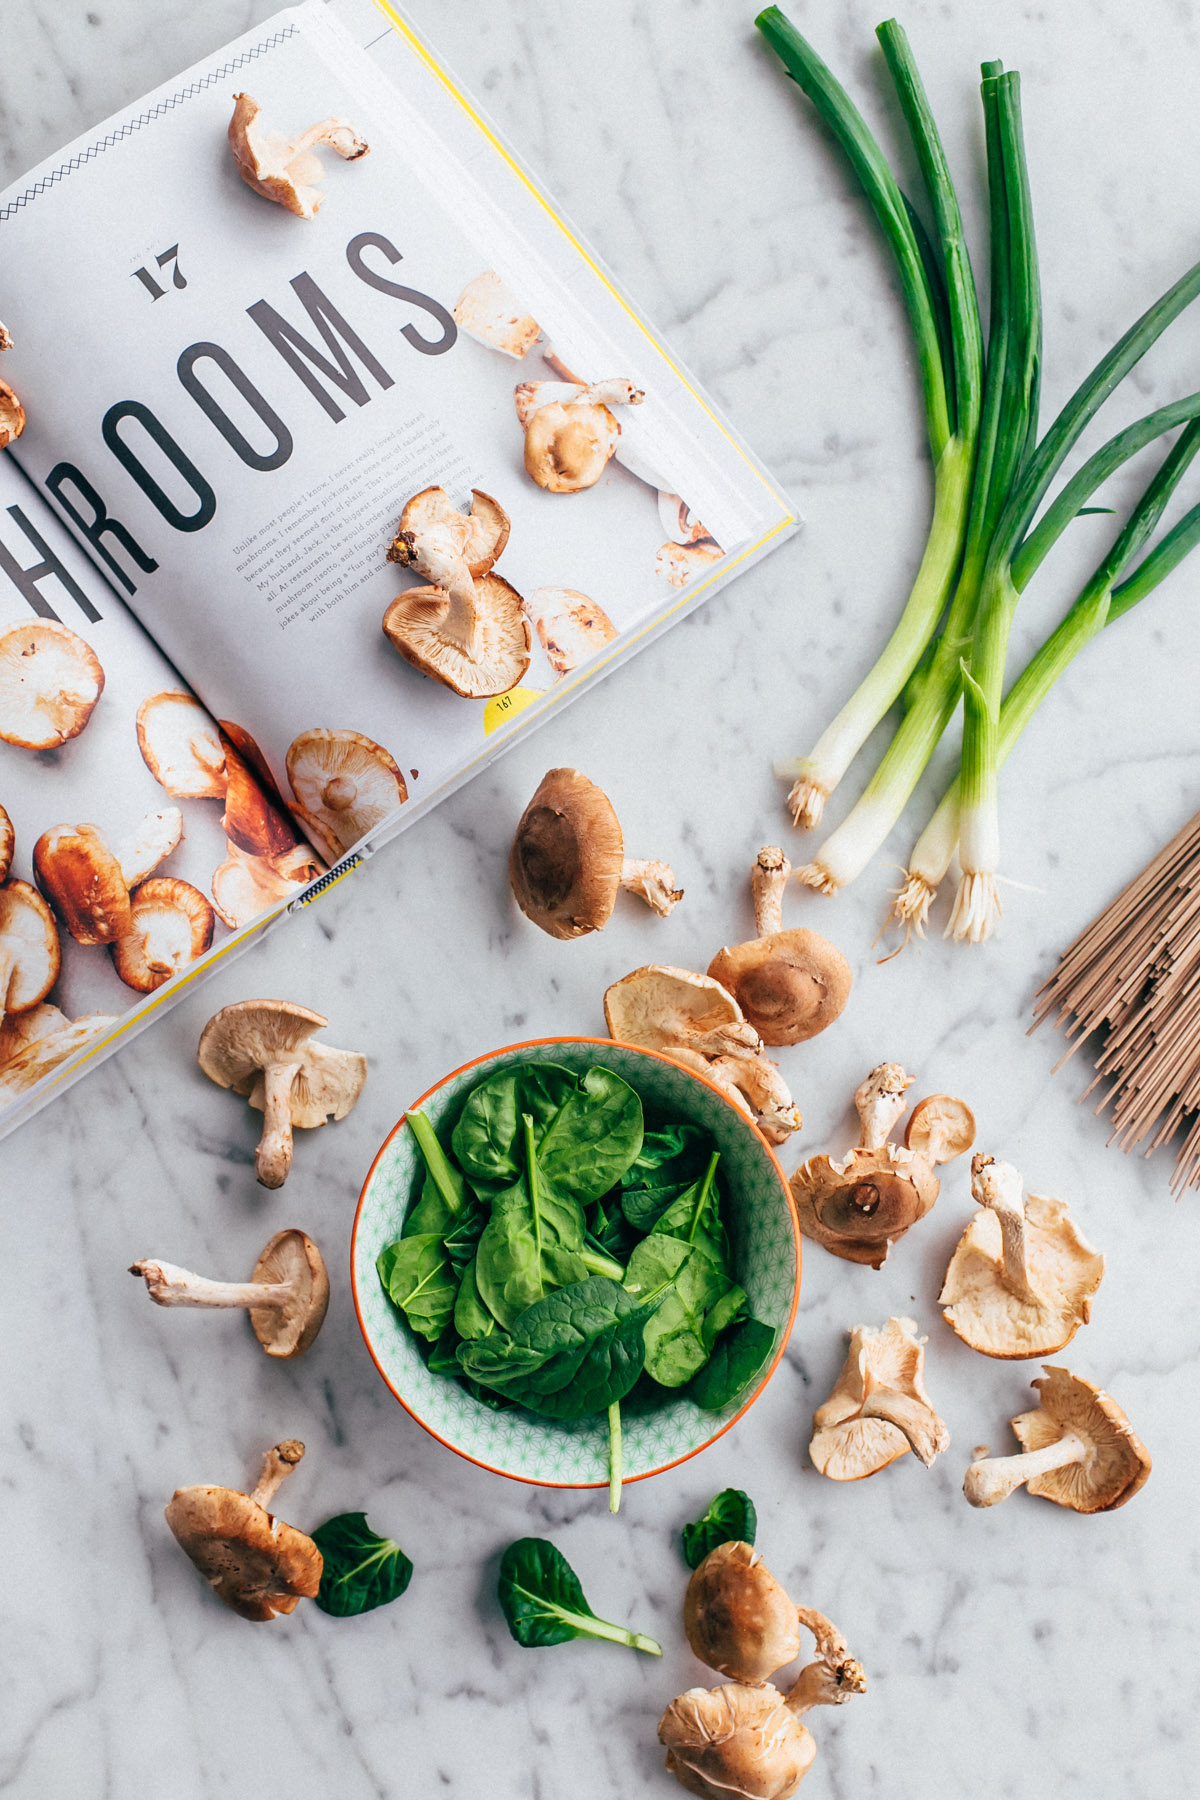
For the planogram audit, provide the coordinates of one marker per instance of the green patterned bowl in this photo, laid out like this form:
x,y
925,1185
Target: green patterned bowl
x,y
549,1452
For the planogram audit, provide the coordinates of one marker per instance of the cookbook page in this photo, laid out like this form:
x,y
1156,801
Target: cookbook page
x,y
258,395
135,842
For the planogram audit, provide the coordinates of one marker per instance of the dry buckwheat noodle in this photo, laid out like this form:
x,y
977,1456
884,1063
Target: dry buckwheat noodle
x,y
1135,974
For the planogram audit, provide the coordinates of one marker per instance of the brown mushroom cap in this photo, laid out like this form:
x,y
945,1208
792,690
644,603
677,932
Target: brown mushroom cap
x,y
149,844
345,783
658,1007
284,169
736,1743
29,953
567,447
252,756
171,924
1012,1318
50,681
82,877
879,1408
567,854
940,1128
499,655
8,843
860,1206
789,984
1117,1465
181,746
570,627
737,1617
244,887
12,415
251,820
487,311
287,1331
256,1563
479,535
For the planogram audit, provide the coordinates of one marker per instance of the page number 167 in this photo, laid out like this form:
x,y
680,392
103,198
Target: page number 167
x,y
178,278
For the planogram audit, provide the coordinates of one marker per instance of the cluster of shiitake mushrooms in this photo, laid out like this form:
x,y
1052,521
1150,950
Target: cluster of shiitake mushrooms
x,y
1019,1285
746,1738
566,867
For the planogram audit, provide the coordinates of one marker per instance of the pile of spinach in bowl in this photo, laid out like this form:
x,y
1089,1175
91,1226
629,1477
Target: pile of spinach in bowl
x,y
566,1253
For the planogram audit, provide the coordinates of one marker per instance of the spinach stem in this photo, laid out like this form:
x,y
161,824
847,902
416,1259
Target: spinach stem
x,y
532,1175
597,1263
615,1457
444,1175
702,1196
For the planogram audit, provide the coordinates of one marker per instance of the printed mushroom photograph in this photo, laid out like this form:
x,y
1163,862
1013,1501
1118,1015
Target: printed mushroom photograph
x,y
50,681
345,784
468,629
287,169
38,1041
570,627
490,312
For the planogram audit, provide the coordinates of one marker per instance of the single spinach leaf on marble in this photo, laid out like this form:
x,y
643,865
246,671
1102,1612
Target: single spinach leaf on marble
x,y
362,1570
594,1136
738,1357
420,1280
543,1602
730,1518
487,1139
570,1354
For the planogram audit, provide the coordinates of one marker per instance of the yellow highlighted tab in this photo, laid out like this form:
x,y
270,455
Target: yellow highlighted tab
x,y
503,707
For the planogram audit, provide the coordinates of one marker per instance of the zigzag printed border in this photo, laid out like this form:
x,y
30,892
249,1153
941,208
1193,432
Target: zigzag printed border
x,y
132,125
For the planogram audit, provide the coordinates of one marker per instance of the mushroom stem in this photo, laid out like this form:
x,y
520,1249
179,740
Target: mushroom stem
x,y
994,1478
278,1462
273,1158
997,1185
926,1432
879,1102
653,882
767,882
338,134
169,1285
831,1680
735,1039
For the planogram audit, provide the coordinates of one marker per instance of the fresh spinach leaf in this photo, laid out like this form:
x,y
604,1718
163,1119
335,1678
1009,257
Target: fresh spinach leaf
x,y
570,1354
362,1570
487,1139
730,1518
471,1317
442,1357
419,1279
738,1357
522,1257
542,1600
675,1341
670,1161
608,1230
458,1231
695,1215
441,1171
593,1137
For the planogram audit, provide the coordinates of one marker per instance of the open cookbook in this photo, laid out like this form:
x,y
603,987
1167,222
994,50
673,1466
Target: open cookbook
x,y
310,515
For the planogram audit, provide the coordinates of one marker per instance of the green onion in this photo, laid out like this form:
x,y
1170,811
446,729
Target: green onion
x,y
1101,602
944,315
976,907
1007,425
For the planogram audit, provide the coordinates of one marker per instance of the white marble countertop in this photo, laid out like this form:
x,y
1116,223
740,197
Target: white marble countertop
x,y
1022,1652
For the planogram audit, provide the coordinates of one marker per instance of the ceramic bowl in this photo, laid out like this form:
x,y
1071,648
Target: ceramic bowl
x,y
758,1214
